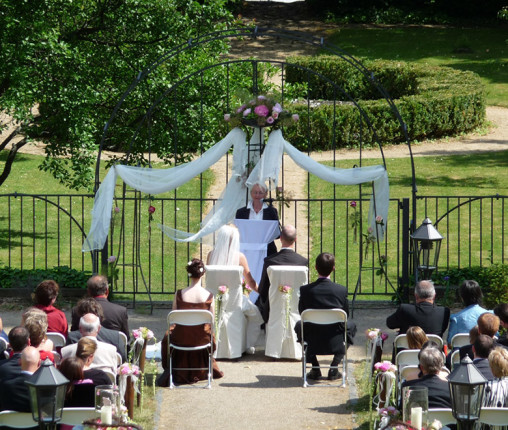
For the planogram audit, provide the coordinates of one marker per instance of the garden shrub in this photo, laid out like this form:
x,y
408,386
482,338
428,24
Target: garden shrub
x,y
29,279
433,102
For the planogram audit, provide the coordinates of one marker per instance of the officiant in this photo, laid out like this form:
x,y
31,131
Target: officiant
x,y
257,209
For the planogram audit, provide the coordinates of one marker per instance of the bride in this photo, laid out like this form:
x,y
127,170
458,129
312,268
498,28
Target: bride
x,y
227,252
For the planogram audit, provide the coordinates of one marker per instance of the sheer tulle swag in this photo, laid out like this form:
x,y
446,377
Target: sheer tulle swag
x,y
286,290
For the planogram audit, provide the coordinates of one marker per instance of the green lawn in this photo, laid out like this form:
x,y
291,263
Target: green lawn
x,y
482,50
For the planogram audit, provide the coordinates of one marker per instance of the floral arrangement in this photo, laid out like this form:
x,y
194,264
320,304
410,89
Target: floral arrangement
x,y
128,369
222,295
286,289
223,289
373,333
143,333
385,366
151,211
246,288
261,111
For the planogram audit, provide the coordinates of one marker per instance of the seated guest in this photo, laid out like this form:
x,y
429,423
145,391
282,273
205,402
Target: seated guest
x,y
496,391
488,324
36,322
46,294
105,355
501,311
431,362
324,339
482,347
424,313
80,391
468,349
471,295
19,339
192,297
416,337
86,351
115,316
89,305
14,395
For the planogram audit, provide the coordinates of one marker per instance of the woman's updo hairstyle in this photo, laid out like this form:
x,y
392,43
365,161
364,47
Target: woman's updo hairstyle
x,y
195,268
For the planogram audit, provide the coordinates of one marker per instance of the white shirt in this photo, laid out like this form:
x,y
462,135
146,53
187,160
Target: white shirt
x,y
252,212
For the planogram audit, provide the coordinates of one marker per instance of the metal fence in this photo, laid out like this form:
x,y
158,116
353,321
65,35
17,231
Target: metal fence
x,y
44,231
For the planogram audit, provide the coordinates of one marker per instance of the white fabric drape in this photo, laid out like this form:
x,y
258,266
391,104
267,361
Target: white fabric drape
x,y
156,181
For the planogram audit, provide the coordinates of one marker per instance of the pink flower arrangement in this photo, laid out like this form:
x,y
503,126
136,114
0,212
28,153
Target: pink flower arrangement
x,y
223,289
128,369
261,111
142,332
389,411
372,333
284,289
385,366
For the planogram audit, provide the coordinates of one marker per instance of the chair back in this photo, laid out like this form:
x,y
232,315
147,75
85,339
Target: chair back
x,y
460,339
76,416
190,317
401,342
231,323
437,339
409,372
323,316
444,415
281,341
17,420
455,359
123,342
494,416
58,339
407,357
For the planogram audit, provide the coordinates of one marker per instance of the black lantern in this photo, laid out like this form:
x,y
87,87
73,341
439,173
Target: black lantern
x,y
466,390
47,388
426,246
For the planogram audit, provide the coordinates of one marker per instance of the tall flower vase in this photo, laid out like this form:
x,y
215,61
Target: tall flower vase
x,y
129,397
142,358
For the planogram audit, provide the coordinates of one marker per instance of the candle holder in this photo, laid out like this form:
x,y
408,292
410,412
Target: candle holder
x,y
107,403
415,406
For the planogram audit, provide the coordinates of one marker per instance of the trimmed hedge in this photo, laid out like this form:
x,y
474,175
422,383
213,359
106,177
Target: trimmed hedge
x,y
432,101
64,276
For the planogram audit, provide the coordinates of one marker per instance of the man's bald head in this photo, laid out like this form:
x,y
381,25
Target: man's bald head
x,y
89,325
287,235
30,359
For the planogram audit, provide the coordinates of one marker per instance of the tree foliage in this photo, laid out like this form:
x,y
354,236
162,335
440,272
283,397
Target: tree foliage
x,y
65,63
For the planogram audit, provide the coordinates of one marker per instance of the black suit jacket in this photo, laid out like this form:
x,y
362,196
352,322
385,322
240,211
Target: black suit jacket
x,y
10,368
482,364
324,294
269,214
115,316
14,395
105,335
439,392
285,257
431,318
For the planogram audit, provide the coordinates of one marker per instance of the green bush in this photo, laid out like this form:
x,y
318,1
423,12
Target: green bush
x,y
492,279
432,101
29,279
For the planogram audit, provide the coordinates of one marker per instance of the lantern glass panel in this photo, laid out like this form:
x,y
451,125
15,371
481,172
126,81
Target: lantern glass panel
x,y
467,401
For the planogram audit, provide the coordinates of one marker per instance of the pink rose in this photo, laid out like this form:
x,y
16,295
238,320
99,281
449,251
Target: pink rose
x,y
353,204
222,289
247,112
384,336
151,209
269,120
136,333
261,110
111,259
275,114
379,219
295,117
227,117
117,209
241,108
149,334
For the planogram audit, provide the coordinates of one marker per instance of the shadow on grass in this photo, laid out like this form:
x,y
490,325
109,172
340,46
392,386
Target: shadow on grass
x,y
16,236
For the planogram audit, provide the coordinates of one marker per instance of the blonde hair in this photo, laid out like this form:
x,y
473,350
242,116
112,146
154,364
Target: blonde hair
x,y
36,322
416,337
86,347
498,362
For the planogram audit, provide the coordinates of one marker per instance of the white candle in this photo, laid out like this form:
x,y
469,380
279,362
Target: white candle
x,y
107,415
416,418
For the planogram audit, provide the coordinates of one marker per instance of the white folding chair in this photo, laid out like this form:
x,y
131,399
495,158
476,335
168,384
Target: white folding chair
x,y
401,342
76,416
231,322
190,317
18,420
123,342
407,357
58,339
460,339
437,339
455,358
324,317
281,340
444,415
494,416
409,372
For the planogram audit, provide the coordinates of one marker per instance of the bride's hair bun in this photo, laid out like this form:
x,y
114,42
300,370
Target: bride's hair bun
x,y
195,268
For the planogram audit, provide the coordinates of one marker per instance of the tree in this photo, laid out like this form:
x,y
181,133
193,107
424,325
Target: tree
x,y
64,64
